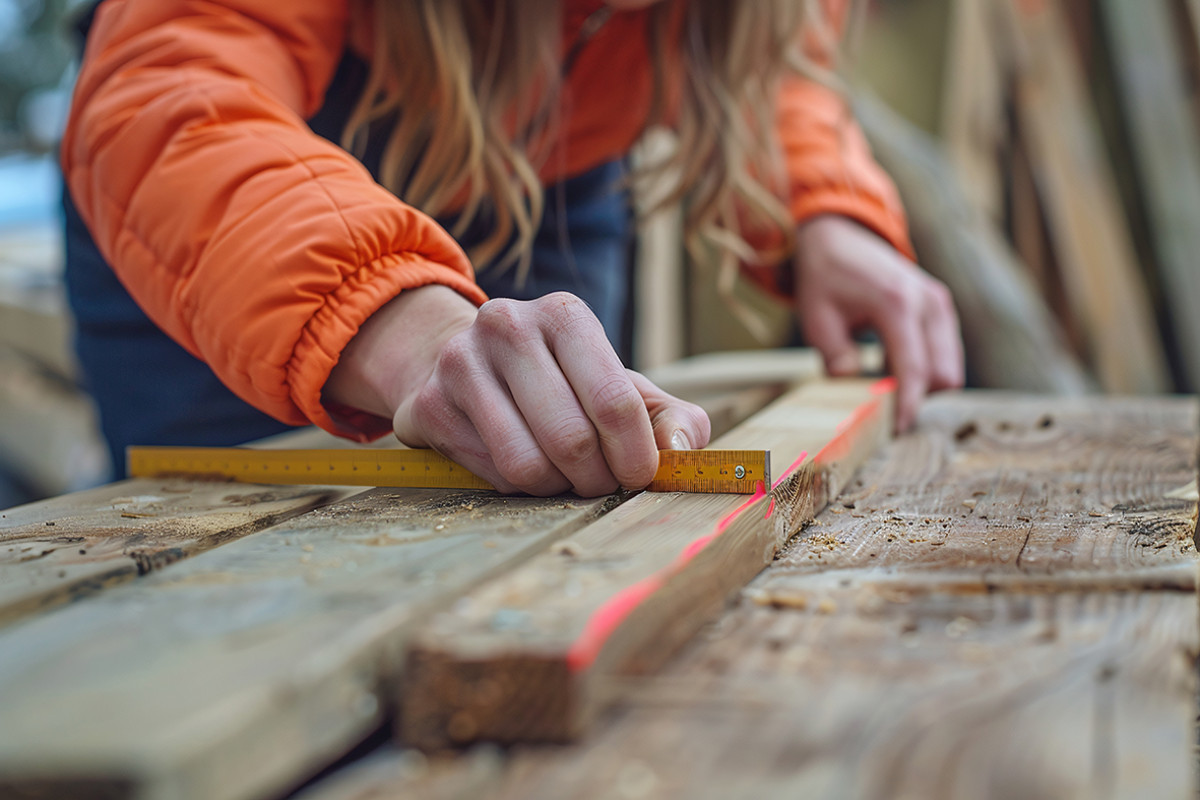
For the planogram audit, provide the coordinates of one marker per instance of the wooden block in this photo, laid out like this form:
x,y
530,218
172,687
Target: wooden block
x,y
65,548
525,656
907,647
242,671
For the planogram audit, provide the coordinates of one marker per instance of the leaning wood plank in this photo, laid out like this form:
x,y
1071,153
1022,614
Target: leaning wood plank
x,y
242,671
1160,117
1011,338
1087,226
58,550
525,657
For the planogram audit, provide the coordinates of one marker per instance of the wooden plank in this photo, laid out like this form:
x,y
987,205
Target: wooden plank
x,y
881,657
62,549
1030,492
984,696
1087,226
1011,338
525,657
242,671
49,438
1166,153
973,125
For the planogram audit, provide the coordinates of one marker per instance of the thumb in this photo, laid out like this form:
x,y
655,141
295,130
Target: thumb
x,y
828,331
678,424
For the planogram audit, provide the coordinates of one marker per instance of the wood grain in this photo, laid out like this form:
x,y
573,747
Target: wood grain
x,y
524,657
1045,696
241,671
65,548
902,648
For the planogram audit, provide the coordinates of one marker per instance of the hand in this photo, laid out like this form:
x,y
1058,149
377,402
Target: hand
x,y
847,278
528,395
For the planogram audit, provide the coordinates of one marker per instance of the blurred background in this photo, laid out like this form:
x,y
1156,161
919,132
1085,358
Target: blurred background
x,y
1048,153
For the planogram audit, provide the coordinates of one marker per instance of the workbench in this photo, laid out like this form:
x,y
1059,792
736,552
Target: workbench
x,y
1000,603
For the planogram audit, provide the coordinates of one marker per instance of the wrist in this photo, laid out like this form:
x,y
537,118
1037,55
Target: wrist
x,y
396,349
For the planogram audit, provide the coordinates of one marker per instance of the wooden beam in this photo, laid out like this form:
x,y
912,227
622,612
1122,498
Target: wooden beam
x,y
526,657
62,549
1161,123
242,671
1011,339
1091,237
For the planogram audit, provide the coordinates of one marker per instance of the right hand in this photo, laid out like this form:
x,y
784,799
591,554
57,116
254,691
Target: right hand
x,y
529,395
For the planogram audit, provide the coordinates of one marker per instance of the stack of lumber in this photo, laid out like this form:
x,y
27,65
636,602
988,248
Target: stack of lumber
x,y
49,441
1056,185
1001,604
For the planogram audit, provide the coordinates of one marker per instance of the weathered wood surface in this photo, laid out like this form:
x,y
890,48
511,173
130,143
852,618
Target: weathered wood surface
x,y
1088,229
1005,491
913,646
58,550
241,671
985,696
1156,93
525,657
1011,338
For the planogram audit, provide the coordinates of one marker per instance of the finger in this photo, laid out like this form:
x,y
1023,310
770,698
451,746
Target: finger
x,y
443,427
677,424
902,331
944,339
558,422
829,331
605,391
467,381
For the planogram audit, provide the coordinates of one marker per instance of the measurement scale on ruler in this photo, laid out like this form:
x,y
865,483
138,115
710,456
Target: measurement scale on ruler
x,y
706,471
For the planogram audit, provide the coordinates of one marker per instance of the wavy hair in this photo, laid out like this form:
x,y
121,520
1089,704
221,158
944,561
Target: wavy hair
x,y
473,85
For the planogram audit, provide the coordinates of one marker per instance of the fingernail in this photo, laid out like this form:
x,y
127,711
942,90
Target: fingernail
x,y
679,441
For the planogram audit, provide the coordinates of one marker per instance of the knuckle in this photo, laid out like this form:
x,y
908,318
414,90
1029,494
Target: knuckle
x,y
572,442
526,470
899,298
457,357
616,402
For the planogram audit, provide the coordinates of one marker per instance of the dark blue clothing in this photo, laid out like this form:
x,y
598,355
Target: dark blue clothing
x,y
149,390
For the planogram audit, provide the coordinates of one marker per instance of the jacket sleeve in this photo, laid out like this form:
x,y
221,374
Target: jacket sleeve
x,y
829,164
257,245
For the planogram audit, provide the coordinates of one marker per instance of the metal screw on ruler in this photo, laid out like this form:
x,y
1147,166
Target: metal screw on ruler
x,y
739,472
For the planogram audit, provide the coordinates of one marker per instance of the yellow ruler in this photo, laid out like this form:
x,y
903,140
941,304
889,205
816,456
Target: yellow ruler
x,y
710,471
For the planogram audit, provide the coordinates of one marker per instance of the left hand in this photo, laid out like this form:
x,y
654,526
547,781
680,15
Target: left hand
x,y
847,279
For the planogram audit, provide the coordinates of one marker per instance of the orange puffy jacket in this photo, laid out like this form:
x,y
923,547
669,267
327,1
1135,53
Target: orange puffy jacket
x,y
261,247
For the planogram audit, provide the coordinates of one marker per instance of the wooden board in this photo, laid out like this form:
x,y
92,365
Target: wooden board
x,y
525,657
907,647
984,696
1012,492
242,671
1161,124
1087,225
65,548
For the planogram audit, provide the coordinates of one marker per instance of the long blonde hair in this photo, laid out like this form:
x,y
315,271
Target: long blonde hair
x,y
473,85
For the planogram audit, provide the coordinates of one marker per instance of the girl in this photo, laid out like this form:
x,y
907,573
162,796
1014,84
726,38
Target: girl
x,y
482,150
